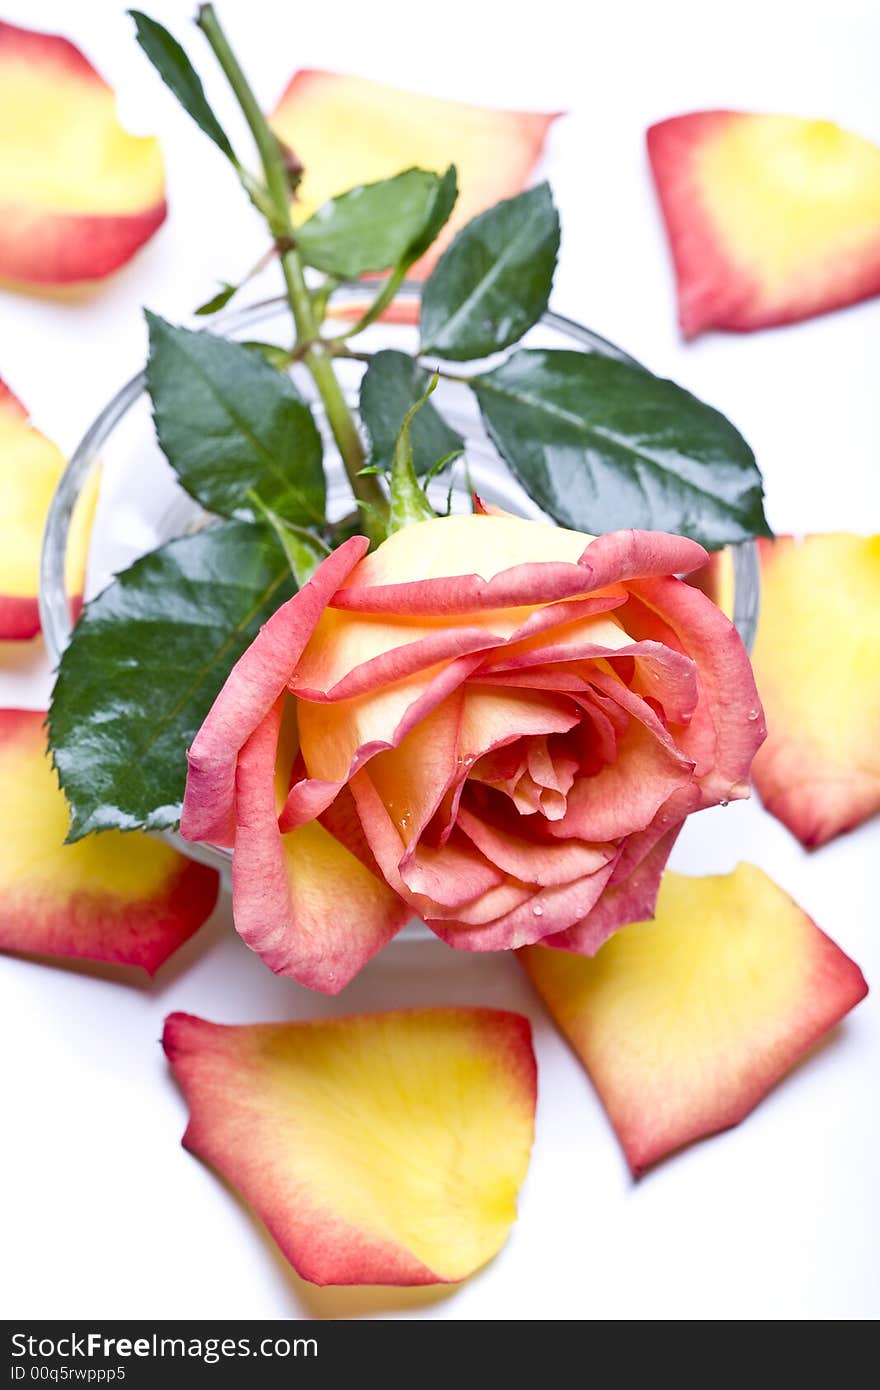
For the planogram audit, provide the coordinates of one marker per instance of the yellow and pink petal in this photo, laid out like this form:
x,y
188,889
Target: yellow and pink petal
x,y
309,907
817,663
684,1023
770,218
128,899
378,1149
30,466
78,194
350,130
250,691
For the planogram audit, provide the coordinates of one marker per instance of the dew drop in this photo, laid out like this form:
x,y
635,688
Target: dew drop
x,y
538,911
752,714
723,803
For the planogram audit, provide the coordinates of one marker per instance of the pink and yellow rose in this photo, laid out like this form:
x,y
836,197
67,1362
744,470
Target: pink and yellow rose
x,y
497,725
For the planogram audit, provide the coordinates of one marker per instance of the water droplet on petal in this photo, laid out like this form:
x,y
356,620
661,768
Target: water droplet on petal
x,y
752,714
723,803
538,910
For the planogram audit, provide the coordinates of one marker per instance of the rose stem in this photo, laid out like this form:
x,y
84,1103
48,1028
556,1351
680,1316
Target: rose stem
x,y
365,487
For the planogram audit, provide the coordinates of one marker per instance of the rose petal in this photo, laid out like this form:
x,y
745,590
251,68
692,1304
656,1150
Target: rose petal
x,y
30,466
769,218
542,863
348,656
819,771
307,906
629,896
127,898
380,1149
78,194
467,565
727,726
338,739
349,130
251,689
686,1022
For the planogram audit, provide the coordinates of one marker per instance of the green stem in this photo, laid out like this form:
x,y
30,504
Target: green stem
x,y
345,431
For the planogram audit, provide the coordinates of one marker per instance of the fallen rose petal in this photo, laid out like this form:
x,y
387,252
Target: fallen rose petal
x,y
301,900
686,1022
30,466
350,130
124,898
770,218
78,194
819,770
378,1149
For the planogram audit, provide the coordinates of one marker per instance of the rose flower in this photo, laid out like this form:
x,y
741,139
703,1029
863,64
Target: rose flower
x,y
494,724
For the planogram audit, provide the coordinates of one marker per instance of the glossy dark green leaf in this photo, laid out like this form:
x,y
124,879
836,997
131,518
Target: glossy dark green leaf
x,y
370,227
493,283
230,424
407,501
601,444
147,659
393,383
178,73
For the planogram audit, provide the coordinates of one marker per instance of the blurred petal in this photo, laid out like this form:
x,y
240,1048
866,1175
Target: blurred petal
x,y
379,1149
350,130
127,898
307,906
78,194
30,466
817,662
717,580
686,1022
769,218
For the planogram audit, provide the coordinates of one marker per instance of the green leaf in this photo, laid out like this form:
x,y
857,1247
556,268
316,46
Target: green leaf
x,y
370,227
219,300
445,199
147,659
303,549
601,445
407,501
391,384
494,281
230,424
178,73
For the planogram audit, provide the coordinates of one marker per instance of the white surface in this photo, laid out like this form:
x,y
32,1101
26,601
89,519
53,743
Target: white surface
x,y
105,1216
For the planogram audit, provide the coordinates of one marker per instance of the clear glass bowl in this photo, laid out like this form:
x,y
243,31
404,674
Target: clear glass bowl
x,y
141,505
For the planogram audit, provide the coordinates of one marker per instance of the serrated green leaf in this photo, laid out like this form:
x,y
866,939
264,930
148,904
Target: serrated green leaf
x,y
178,73
407,502
229,425
601,444
493,283
147,659
391,384
370,227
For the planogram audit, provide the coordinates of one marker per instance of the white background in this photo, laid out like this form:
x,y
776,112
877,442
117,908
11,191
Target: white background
x,y
105,1216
